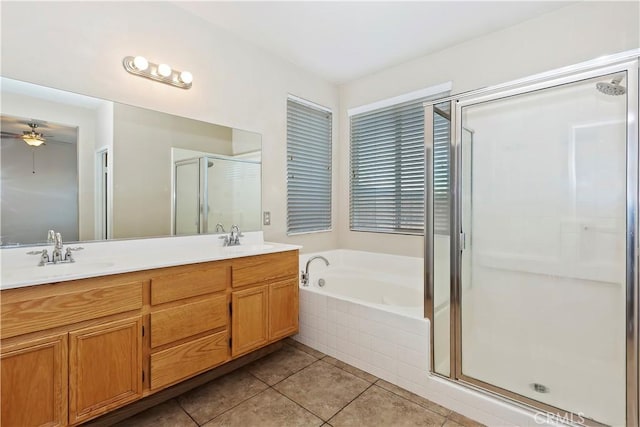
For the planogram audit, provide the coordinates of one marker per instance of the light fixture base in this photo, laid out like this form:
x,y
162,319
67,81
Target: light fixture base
x,y
152,73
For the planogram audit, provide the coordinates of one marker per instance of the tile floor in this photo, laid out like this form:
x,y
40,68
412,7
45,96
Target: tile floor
x,y
298,386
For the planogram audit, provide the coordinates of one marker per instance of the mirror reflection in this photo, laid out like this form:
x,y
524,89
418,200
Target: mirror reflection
x,y
94,169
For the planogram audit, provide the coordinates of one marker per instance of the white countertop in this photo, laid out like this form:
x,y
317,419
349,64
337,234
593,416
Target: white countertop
x,y
124,256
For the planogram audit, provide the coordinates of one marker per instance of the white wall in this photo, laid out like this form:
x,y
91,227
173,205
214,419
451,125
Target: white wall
x,y
80,47
569,35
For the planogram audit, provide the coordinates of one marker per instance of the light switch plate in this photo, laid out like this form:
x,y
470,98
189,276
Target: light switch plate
x,y
266,218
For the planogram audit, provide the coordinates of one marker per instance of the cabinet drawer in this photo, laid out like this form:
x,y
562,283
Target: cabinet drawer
x,y
264,268
50,307
186,360
176,323
197,281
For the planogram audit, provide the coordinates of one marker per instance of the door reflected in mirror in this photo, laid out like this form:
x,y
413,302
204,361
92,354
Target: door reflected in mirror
x,y
120,177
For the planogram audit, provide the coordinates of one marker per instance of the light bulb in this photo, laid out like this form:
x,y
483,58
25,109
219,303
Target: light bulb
x,y
186,77
164,70
141,63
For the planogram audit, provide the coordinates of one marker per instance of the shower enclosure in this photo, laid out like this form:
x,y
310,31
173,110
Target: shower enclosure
x,y
531,241
211,190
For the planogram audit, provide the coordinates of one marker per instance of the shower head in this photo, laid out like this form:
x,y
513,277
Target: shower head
x,y
209,164
614,88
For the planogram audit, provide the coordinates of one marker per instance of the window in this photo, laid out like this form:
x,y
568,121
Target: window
x,y
387,170
308,167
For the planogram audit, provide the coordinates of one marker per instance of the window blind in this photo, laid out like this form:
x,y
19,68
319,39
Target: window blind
x,y
441,170
308,168
387,169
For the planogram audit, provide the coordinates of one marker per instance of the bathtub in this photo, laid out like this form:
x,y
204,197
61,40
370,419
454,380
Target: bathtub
x,y
369,313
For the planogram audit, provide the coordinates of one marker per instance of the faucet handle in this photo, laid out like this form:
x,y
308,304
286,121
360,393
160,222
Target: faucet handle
x,y
68,256
44,258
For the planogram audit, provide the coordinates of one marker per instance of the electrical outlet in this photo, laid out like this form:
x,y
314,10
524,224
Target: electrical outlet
x,y
266,218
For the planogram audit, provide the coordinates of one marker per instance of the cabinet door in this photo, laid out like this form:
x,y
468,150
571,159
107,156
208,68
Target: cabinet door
x,y
283,309
105,364
34,383
249,321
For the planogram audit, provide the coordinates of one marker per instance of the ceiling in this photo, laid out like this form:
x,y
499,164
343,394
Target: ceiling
x,y
342,41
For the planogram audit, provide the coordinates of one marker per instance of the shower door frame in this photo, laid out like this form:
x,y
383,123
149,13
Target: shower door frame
x,y
626,62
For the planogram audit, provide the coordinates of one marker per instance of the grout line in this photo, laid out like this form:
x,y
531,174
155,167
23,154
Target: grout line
x,y
228,409
350,402
300,405
184,410
235,406
446,417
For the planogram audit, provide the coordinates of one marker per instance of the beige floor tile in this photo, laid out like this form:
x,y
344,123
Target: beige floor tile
x,y
450,423
267,409
322,388
210,400
379,407
303,347
425,403
351,369
167,414
279,365
464,421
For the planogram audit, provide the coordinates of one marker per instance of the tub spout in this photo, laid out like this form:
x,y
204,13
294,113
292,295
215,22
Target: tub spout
x,y
304,276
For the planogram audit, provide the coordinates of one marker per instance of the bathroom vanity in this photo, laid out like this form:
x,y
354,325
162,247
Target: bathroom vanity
x,y
73,350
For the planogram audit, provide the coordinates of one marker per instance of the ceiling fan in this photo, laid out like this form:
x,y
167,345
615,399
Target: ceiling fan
x,y
30,137
33,138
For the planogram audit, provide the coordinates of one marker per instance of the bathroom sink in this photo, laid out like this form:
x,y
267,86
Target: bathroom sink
x,y
248,248
51,272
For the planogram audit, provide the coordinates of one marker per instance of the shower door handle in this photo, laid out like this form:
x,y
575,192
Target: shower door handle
x,y
463,241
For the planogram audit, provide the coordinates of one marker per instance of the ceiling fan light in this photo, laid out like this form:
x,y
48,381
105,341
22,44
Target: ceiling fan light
x,y
33,140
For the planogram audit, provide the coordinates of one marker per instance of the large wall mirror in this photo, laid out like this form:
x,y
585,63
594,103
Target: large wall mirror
x,y
94,169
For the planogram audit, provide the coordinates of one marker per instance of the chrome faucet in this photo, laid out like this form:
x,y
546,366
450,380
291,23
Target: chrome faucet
x,y
56,255
304,275
233,239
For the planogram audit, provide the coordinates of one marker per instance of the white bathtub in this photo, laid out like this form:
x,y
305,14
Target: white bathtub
x,y
370,314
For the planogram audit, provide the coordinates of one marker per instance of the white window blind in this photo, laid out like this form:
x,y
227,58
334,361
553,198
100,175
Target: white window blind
x,y
387,176
308,167
387,169
441,168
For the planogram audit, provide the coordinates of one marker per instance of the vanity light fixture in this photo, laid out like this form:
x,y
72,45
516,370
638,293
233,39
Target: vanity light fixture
x,y
140,66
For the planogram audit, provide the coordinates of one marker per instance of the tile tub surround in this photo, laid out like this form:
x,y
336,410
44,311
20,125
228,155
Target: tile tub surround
x,y
309,389
389,345
123,256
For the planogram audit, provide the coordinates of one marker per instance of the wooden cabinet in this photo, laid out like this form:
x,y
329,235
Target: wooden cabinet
x,y
265,308
249,321
105,364
283,309
34,382
74,350
189,323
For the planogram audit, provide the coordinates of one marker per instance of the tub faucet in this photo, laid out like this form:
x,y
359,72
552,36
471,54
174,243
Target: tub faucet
x,y
304,275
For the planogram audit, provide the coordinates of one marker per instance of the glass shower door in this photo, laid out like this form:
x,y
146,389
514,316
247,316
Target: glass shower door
x,y
543,204
187,197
